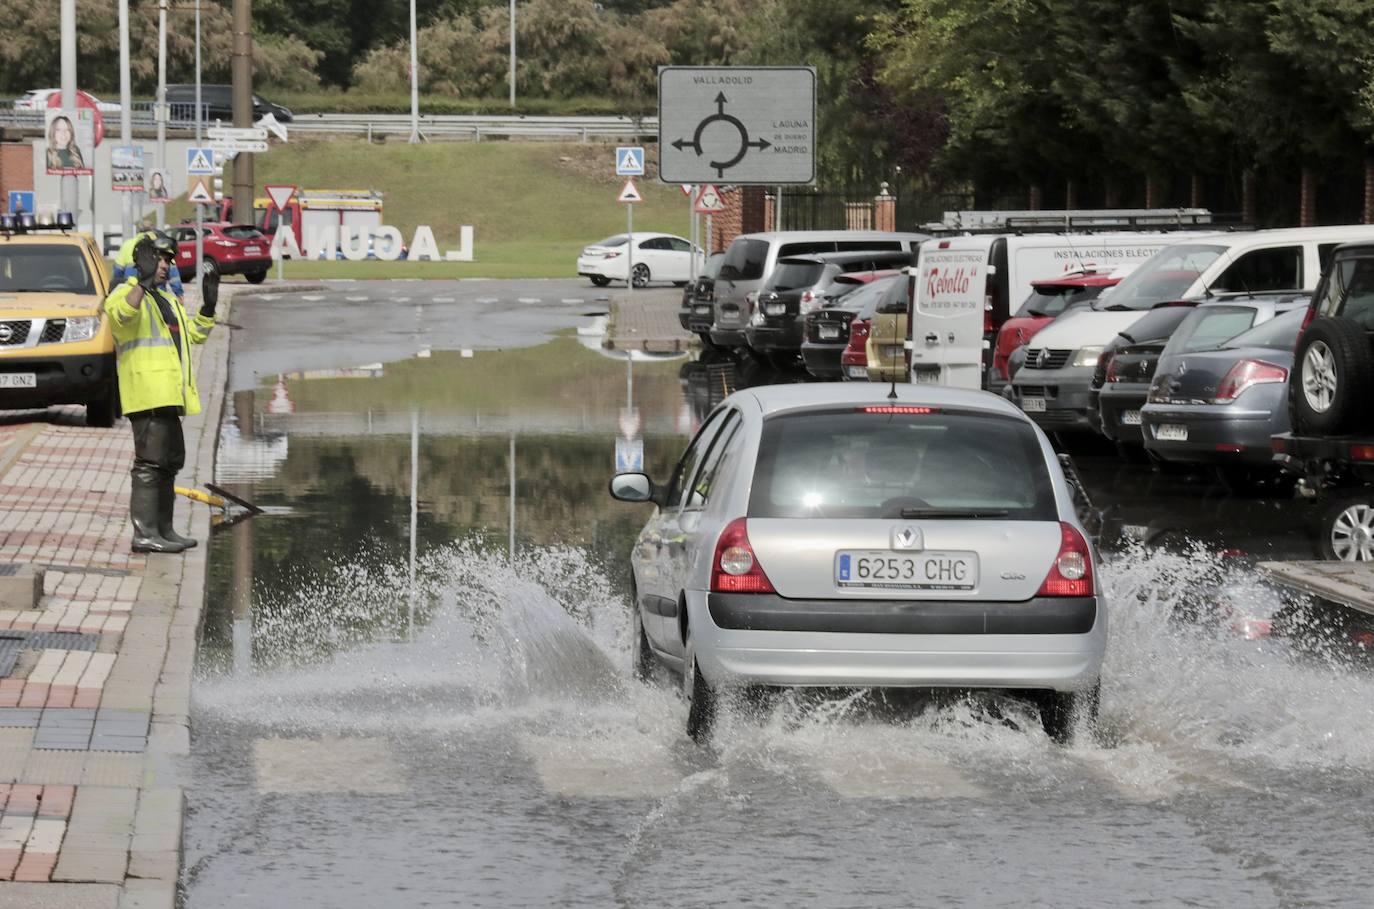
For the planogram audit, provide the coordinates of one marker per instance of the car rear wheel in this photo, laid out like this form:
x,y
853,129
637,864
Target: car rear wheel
x,y
641,275
103,411
1347,532
599,280
1334,368
701,697
1062,711
256,277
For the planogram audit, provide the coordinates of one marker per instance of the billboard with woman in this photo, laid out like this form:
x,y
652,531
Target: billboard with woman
x,y
70,142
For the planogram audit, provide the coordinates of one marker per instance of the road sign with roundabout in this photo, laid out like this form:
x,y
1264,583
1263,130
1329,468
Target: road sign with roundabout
x,y
747,125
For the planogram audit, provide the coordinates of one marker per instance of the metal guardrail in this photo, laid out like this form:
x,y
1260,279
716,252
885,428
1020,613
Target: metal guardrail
x,y
474,127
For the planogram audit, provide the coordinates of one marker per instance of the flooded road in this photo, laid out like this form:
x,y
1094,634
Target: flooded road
x,y
428,717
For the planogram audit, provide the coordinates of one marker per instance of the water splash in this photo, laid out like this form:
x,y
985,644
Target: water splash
x,y
543,647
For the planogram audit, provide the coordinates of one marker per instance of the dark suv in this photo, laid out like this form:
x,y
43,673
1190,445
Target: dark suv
x,y
1331,405
218,103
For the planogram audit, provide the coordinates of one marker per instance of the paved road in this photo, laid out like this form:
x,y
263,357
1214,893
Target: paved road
x,y
474,738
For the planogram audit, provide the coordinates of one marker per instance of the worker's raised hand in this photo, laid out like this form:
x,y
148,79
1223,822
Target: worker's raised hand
x,y
146,260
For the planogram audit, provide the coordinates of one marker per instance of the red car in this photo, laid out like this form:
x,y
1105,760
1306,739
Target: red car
x,y
230,249
1047,300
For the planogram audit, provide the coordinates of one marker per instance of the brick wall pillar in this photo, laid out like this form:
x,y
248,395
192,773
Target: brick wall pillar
x,y
884,210
1154,192
770,212
1195,191
16,167
1307,205
1249,198
1070,195
1037,197
1369,188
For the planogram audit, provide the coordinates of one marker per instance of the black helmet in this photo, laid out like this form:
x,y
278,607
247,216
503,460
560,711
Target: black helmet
x,y
165,246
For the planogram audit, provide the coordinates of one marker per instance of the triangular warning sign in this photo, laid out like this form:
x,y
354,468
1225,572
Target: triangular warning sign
x,y
708,201
629,193
200,164
280,195
200,191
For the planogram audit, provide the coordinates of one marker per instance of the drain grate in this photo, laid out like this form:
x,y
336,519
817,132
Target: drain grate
x,y
13,642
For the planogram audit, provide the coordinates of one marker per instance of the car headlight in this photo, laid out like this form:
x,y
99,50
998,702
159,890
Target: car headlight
x,y
81,328
1087,356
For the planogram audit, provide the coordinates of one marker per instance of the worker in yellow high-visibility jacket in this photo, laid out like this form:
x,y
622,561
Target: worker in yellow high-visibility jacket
x,y
157,386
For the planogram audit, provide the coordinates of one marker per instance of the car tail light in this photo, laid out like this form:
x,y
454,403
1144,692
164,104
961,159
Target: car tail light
x,y
612,255
1071,575
987,315
1362,452
896,408
1277,445
1245,374
808,299
858,332
735,568
1111,370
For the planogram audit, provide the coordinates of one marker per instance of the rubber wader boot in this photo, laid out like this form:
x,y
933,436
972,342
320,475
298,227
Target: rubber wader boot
x,y
143,508
166,499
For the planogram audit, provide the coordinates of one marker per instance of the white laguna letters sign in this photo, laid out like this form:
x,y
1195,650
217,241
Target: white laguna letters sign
x,y
359,243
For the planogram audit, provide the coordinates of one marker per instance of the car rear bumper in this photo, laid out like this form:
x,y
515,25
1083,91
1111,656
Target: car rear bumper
x,y
727,337
60,380
1042,643
1114,401
823,360
1064,391
767,338
1213,436
244,266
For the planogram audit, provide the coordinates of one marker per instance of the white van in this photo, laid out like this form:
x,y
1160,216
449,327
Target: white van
x,y
1053,385
966,287
751,257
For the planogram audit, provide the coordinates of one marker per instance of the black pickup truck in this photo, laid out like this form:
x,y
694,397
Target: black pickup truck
x,y
1331,406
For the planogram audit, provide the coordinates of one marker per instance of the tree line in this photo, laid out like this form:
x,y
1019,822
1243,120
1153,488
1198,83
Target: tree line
x,y
1225,102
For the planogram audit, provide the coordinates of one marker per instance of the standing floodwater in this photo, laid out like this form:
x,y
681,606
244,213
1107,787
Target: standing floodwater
x,y
465,731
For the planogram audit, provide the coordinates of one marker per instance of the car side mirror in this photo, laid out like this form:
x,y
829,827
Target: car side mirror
x,y
635,487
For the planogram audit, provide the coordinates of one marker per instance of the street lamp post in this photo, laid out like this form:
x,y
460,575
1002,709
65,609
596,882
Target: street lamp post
x,y
125,115
512,53
414,80
161,112
68,42
200,209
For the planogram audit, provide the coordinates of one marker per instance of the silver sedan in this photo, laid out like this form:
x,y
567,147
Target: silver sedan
x,y
837,535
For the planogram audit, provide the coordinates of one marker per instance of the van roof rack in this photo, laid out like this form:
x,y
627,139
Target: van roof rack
x,y
1084,220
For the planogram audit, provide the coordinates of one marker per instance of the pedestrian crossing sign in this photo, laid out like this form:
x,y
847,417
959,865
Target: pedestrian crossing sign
x,y
200,161
629,161
198,189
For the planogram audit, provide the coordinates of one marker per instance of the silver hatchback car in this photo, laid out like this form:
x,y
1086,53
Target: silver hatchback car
x,y
838,535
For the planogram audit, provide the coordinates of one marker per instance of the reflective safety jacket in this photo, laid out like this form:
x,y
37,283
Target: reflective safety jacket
x,y
151,373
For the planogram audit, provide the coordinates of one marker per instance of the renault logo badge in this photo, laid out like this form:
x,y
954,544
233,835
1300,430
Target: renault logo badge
x,y
906,537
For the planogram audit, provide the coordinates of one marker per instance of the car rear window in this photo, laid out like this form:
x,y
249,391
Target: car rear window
x,y
38,267
1051,300
617,240
1279,333
744,260
792,275
854,463
1207,328
242,232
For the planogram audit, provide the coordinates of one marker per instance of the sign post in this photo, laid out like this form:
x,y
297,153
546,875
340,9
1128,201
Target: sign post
x,y
629,194
280,194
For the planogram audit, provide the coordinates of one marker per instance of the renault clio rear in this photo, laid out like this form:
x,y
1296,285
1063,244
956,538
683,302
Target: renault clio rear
x,y
831,535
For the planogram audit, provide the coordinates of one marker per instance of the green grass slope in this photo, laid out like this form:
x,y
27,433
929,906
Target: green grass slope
x,y
532,205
